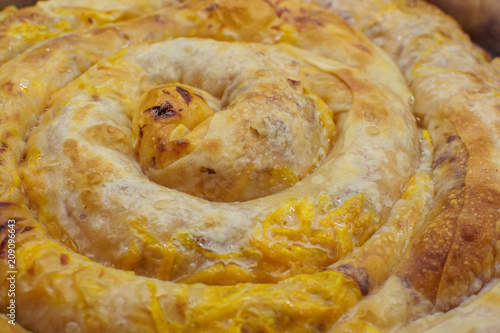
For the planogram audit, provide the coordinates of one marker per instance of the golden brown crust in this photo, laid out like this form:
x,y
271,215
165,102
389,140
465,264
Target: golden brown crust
x,y
456,95
477,314
372,222
101,207
22,28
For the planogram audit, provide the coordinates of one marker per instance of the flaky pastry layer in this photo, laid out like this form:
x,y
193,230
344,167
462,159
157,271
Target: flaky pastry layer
x,y
245,166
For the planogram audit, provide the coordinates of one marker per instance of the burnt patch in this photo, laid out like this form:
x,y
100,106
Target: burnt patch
x,y
207,171
166,110
185,94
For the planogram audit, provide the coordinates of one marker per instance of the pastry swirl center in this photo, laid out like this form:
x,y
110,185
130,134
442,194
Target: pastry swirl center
x,y
271,131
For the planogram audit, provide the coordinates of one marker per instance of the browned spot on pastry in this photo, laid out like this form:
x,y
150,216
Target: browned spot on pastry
x,y
31,270
165,110
28,15
469,233
358,275
163,145
8,86
451,138
207,171
362,47
5,204
27,229
294,83
4,226
4,242
185,94
279,11
81,162
412,3
182,143
246,328
95,98
91,199
213,146
108,136
212,6
424,263
444,34
64,259
313,18
94,178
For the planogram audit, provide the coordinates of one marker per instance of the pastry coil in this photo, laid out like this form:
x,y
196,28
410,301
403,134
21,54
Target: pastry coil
x,y
237,166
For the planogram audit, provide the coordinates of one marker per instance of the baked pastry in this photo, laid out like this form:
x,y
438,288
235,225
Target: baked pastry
x,y
477,314
244,166
456,253
22,28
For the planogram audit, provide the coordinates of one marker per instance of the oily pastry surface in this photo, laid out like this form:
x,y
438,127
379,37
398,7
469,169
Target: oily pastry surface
x,y
25,27
248,166
477,314
276,244
243,78
456,253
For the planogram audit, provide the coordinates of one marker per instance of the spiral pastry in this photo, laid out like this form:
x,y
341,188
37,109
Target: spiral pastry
x,y
23,28
235,166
